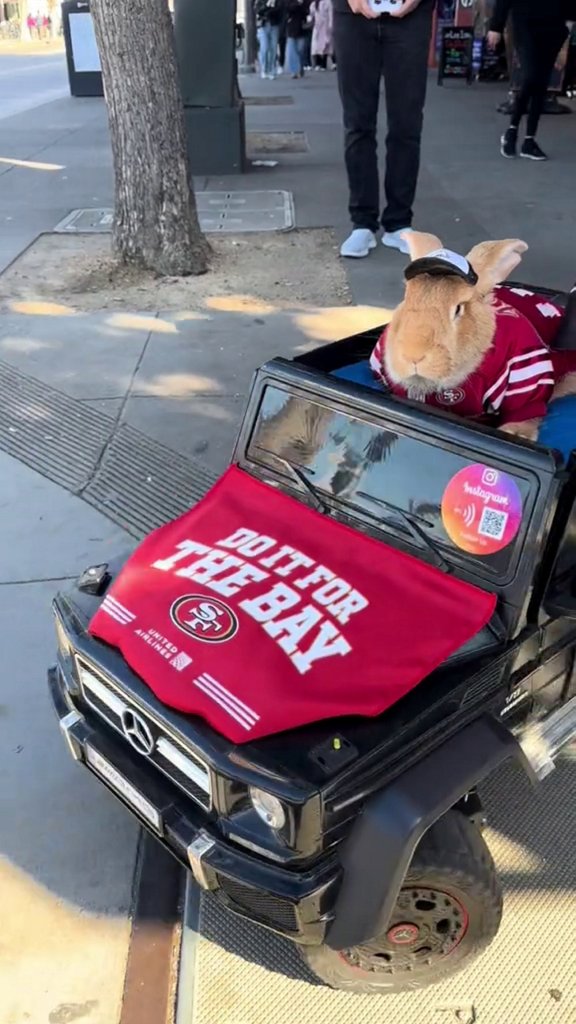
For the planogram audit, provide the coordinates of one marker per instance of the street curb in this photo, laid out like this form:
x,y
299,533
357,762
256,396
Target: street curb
x,y
185,1002
152,963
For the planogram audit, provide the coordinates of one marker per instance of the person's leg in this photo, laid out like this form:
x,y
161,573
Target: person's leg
x,y
406,44
359,67
301,45
292,61
272,49
262,49
525,46
547,49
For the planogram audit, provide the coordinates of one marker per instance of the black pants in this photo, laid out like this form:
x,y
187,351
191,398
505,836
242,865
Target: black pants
x,y
366,50
537,44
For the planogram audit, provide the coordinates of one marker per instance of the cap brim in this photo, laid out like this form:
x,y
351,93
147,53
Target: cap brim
x,y
440,268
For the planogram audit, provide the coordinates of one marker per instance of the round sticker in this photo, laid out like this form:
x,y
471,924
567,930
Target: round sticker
x,y
481,509
204,618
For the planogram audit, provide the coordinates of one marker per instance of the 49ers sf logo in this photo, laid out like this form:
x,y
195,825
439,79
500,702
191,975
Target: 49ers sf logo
x,y
451,396
204,618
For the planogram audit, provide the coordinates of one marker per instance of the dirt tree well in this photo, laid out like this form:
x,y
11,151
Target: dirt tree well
x,y
156,223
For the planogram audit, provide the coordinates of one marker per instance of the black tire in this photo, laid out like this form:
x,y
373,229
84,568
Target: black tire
x,y
452,874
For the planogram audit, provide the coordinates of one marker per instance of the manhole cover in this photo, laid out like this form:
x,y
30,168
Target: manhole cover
x,y
268,101
219,212
87,220
277,142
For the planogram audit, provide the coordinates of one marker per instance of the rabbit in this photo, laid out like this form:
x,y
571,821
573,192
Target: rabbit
x,y
451,343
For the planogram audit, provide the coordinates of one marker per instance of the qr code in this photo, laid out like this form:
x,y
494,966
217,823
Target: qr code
x,y
492,523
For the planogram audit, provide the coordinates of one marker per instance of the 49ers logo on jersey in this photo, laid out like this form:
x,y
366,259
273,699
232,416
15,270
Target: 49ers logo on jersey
x,y
451,396
204,618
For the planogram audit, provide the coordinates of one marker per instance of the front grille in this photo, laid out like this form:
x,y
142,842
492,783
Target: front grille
x,y
184,768
264,907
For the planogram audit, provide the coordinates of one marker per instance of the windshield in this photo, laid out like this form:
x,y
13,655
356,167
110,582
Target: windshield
x,y
429,495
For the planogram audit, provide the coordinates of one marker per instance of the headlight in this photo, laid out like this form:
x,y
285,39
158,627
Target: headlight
x,y
64,646
268,807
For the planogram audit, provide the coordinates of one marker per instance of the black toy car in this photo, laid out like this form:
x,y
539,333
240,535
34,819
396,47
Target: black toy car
x,y
359,839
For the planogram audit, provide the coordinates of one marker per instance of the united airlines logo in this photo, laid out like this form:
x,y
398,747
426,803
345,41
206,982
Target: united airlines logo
x,y
204,618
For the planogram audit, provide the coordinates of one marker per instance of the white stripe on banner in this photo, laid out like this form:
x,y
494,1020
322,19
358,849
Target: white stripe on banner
x,y
114,614
119,607
247,716
250,713
219,700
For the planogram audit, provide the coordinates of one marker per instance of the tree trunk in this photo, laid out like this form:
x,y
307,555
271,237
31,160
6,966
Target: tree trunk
x,y
155,223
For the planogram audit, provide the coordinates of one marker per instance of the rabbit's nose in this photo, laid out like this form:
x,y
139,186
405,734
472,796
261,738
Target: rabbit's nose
x,y
415,362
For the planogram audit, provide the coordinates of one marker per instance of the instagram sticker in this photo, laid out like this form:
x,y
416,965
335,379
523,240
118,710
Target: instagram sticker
x,y
481,509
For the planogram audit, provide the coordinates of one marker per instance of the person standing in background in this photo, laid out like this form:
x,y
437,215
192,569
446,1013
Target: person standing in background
x,y
296,17
368,46
539,30
322,46
268,17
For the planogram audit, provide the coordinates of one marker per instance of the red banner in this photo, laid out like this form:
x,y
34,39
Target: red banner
x,y
260,615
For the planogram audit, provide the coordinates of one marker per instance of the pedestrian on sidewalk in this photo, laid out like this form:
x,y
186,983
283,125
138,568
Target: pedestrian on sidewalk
x,y
539,32
297,12
322,24
368,46
268,17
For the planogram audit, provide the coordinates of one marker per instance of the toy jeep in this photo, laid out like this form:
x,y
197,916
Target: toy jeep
x,y
358,837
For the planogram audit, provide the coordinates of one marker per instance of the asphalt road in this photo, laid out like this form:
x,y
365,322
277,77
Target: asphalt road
x,y
28,81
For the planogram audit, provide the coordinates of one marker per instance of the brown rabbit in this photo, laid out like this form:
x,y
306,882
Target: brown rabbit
x,y
452,345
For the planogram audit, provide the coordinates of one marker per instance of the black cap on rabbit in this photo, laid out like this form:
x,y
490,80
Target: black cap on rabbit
x,y
442,263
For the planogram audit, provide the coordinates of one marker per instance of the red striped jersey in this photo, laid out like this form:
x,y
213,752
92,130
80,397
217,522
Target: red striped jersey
x,y
513,383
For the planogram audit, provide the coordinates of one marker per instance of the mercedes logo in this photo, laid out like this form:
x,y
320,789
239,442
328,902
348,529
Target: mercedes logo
x,y
137,732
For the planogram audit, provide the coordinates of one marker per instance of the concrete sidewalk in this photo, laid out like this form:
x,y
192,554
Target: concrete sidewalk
x,y
67,850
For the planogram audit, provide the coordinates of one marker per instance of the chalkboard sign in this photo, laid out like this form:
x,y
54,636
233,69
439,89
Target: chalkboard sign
x,y
456,54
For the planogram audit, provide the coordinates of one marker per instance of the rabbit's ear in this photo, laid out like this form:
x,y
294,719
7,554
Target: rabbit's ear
x,y
421,244
494,261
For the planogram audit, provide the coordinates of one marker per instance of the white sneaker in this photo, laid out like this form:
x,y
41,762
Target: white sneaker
x,y
394,240
359,243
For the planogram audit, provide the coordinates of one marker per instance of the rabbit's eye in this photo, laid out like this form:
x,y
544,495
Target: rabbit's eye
x,y
458,310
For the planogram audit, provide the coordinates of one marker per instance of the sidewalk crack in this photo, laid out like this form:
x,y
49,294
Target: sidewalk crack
x,y
116,421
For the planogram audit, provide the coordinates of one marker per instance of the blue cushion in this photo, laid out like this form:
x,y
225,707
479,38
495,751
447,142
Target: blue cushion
x,y
359,373
558,429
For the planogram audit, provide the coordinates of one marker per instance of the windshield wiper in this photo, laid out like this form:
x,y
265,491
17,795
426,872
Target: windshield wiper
x,y
319,503
416,531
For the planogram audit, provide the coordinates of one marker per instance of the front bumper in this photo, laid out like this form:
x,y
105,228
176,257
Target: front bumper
x,y
296,904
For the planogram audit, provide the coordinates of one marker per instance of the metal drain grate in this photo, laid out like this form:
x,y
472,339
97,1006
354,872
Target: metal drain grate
x,y
122,472
246,211
218,212
141,484
48,431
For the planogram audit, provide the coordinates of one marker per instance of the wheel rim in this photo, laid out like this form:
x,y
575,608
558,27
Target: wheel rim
x,y
427,925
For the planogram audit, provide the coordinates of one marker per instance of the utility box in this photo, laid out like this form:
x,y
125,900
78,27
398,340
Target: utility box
x,y
82,57
205,36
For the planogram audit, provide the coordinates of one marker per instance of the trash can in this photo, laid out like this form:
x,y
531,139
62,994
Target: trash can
x,y
82,57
